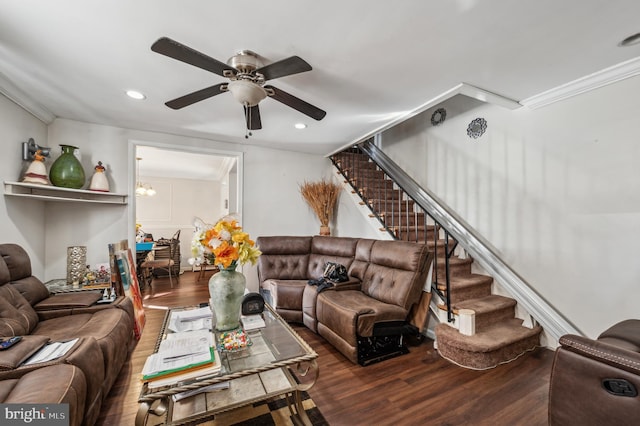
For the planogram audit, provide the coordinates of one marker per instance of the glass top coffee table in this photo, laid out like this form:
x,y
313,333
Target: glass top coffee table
x,y
277,363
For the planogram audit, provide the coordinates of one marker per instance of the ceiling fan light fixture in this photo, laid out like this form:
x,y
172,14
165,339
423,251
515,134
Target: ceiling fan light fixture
x,y
247,92
300,126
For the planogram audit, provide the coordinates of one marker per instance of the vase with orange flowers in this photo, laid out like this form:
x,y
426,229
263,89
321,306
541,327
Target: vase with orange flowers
x,y
226,246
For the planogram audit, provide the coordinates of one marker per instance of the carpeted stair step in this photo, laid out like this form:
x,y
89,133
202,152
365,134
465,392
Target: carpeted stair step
x,y
497,344
404,219
489,310
457,266
391,208
375,184
465,287
417,235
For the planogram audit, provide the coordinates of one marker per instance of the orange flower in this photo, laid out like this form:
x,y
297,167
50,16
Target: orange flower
x,y
225,254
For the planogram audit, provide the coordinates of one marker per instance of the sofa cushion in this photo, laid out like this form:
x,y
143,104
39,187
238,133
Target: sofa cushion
x,y
19,266
17,317
17,261
56,384
623,335
286,294
351,313
18,353
31,289
5,277
283,258
361,260
330,249
394,262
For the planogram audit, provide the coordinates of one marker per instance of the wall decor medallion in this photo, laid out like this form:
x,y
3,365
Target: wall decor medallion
x,y
438,116
477,128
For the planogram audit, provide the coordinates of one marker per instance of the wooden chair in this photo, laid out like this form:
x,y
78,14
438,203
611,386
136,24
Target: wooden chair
x,y
164,263
203,269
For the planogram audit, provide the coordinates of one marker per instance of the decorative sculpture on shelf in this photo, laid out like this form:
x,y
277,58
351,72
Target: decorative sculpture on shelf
x,y
99,181
37,171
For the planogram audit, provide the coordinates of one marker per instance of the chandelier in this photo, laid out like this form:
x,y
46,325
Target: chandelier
x,y
142,189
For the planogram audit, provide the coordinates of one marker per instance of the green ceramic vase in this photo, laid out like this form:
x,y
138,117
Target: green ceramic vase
x,y
66,171
226,289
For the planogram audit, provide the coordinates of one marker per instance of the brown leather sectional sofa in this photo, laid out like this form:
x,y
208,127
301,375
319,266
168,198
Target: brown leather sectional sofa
x,y
84,375
365,317
597,381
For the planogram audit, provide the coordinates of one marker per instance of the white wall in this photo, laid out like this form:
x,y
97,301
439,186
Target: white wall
x,y
271,201
174,207
22,220
554,190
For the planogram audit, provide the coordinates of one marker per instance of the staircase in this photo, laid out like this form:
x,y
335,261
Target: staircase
x,y
499,336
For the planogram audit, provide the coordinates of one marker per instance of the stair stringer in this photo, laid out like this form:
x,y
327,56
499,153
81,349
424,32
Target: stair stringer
x,y
363,209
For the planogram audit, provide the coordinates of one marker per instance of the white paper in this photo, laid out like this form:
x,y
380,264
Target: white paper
x,y
191,319
51,351
252,322
181,350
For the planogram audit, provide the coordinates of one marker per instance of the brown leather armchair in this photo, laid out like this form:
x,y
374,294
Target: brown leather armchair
x,y
596,382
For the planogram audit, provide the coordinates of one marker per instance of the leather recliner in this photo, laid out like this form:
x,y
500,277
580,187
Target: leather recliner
x,y
597,382
104,332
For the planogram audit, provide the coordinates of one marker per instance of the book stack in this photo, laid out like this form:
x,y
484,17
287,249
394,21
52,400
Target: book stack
x,y
182,357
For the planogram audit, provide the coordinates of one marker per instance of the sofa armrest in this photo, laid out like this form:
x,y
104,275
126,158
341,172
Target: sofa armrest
x,y
12,357
68,301
602,352
352,284
54,311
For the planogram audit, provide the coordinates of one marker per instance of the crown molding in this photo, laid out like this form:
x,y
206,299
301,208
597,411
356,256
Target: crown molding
x,y
19,97
584,84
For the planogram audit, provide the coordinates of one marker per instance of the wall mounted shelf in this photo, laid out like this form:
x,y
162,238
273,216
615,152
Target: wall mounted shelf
x,y
54,193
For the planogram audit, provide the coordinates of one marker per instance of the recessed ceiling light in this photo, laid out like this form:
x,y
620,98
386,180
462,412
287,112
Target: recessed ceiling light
x,y
134,94
631,40
300,126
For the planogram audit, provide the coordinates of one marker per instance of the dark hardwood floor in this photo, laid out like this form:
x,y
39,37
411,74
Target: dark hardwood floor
x,y
419,388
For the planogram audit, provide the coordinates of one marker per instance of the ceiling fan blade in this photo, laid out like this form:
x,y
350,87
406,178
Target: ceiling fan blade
x,y
289,66
296,103
198,96
175,50
252,115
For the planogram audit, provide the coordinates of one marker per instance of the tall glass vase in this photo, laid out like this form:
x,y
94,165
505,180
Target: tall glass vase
x,y
226,289
66,171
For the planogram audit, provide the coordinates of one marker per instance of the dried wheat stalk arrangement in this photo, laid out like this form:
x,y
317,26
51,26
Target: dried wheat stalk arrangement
x,y
322,197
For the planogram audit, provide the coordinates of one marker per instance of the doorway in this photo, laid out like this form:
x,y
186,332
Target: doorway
x,y
186,183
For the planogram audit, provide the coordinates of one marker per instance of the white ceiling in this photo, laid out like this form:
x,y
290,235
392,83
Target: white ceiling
x,y
168,164
372,61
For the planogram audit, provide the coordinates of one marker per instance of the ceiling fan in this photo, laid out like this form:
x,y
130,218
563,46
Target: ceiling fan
x,y
247,77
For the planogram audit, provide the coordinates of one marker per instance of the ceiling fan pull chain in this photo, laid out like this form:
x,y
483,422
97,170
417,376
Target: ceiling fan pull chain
x,y
247,133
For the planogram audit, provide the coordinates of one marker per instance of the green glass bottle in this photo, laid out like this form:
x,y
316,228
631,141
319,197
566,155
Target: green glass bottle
x,y
66,171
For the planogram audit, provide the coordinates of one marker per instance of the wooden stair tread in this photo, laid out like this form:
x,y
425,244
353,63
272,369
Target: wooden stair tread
x,y
490,339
